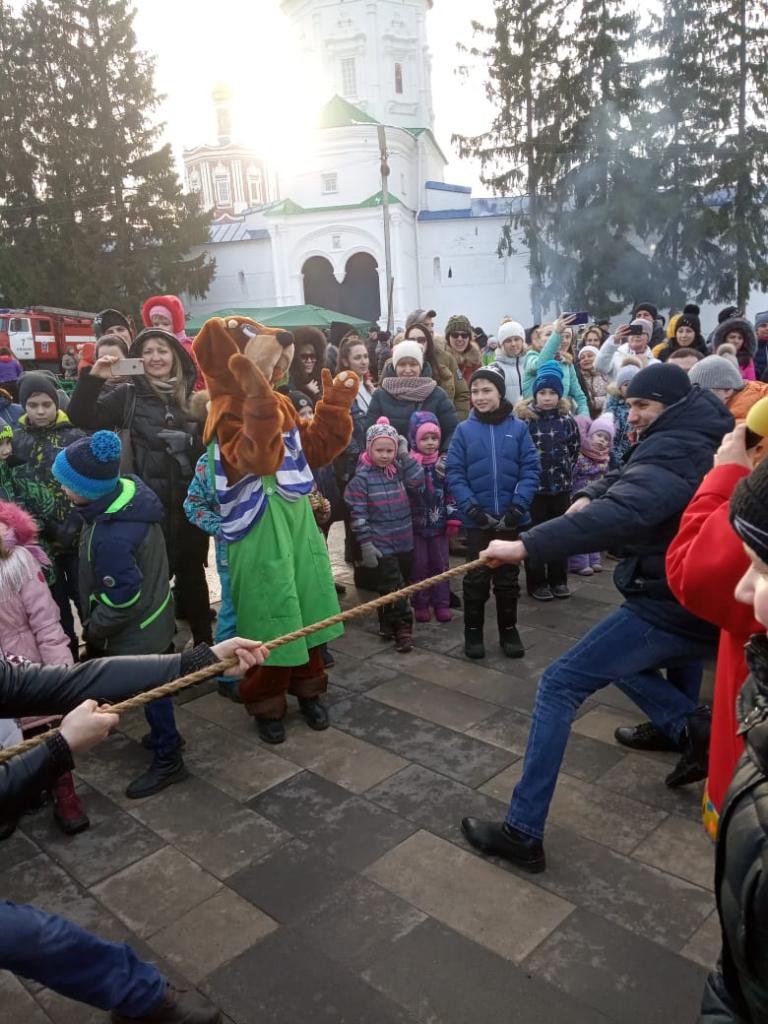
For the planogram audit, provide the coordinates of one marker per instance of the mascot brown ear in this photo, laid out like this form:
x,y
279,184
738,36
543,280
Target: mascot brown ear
x,y
213,347
285,338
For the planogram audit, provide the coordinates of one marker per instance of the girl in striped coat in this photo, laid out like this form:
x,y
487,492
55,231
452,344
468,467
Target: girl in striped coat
x,y
380,517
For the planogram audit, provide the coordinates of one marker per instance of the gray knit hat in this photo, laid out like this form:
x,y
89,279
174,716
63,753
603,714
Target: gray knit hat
x,y
716,372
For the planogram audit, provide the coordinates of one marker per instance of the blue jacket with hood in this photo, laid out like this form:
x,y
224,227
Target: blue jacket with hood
x,y
124,586
492,465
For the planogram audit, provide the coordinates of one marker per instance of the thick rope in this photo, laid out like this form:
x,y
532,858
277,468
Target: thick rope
x,y
167,689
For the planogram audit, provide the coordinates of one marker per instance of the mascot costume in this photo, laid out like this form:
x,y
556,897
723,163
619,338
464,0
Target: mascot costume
x,y
262,456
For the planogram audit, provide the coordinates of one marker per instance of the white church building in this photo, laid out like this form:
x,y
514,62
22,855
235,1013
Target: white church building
x,y
317,235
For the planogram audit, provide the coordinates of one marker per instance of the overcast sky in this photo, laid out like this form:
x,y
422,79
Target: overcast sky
x,y
247,44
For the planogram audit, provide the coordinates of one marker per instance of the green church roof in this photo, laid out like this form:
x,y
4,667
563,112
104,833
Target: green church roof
x,y
289,208
340,113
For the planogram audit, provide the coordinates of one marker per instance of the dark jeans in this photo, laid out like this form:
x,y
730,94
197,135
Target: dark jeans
x,y
392,573
64,957
477,583
65,589
552,574
622,649
186,556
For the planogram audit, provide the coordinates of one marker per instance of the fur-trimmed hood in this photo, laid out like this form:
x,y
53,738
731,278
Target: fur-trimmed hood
x,y
306,336
736,323
188,367
524,409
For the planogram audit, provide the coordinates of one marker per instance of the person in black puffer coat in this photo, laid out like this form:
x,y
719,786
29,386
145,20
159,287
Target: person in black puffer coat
x,y
737,989
165,443
634,511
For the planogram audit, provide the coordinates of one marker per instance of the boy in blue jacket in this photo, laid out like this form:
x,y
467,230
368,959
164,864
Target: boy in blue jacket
x,y
126,596
493,475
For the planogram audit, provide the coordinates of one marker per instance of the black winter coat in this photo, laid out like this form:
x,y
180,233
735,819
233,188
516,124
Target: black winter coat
x,y
166,464
635,511
737,989
57,689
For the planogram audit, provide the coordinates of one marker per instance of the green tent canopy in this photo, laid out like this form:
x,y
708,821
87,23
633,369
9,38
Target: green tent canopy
x,y
283,316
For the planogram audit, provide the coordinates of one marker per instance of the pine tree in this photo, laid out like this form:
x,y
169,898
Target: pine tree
x,y
604,199
108,212
681,133
519,151
739,52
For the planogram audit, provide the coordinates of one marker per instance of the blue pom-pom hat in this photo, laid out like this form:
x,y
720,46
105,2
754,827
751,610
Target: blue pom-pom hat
x,y
90,467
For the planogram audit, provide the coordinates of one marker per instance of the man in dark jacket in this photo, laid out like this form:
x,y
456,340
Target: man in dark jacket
x,y
47,948
634,511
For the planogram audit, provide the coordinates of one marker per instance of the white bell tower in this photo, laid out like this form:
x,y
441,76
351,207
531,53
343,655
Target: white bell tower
x,y
374,53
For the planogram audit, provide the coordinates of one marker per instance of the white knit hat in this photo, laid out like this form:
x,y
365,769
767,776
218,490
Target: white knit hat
x,y
407,350
511,329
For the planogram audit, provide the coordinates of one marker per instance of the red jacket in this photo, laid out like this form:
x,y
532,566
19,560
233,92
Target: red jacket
x,y
705,561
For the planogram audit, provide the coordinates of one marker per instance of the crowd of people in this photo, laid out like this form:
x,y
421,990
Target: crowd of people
x,y
554,447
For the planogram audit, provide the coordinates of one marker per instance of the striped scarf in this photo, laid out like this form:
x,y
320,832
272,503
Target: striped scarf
x,y
245,502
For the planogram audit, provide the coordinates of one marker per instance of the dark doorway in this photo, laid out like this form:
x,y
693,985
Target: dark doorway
x,y
360,289
320,286
358,295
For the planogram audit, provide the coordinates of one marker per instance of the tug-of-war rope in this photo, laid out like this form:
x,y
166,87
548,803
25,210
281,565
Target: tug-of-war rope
x,y
167,689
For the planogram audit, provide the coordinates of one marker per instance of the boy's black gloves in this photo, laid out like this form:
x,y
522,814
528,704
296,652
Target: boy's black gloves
x,y
482,519
512,518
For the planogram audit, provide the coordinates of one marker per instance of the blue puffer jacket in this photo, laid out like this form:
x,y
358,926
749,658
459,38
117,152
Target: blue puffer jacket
x,y
495,466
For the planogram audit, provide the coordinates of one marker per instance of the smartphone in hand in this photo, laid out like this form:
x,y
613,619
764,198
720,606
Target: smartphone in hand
x,y
128,368
580,320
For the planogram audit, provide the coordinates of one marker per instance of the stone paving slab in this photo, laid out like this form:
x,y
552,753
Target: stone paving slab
x,y
328,879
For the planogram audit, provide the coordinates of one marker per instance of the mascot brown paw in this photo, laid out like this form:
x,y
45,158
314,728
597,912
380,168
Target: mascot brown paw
x,y
340,390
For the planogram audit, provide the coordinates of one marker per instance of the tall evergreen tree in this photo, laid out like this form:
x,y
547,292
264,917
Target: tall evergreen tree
x,y
107,212
519,152
739,34
681,130
604,199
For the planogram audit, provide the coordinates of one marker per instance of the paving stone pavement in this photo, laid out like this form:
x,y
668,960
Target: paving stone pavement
x,y
327,878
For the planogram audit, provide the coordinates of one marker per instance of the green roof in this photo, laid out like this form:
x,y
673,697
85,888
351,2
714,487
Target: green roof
x,y
340,113
289,208
287,317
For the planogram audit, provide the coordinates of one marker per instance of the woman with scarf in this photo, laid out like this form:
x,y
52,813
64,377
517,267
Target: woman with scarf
x,y
441,365
406,389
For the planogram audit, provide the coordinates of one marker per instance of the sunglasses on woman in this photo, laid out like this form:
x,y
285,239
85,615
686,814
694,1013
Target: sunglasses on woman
x,y
460,334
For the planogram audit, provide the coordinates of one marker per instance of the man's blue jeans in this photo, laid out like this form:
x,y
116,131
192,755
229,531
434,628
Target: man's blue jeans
x,y
622,649
64,957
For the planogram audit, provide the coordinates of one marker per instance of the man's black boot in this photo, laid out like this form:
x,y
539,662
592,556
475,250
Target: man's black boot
x,y
645,736
506,617
501,840
165,770
694,760
474,620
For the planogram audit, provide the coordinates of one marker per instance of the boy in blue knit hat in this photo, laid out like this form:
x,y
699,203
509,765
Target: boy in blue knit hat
x,y
126,596
556,435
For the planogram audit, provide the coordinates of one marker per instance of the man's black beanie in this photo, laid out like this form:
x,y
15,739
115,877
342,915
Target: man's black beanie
x,y
660,382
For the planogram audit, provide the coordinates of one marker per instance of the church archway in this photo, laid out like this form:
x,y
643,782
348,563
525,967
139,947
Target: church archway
x,y
320,286
360,289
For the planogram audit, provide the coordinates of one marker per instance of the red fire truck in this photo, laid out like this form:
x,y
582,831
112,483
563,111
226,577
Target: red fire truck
x,y
40,335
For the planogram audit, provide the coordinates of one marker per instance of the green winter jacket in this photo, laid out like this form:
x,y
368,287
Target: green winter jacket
x,y
124,573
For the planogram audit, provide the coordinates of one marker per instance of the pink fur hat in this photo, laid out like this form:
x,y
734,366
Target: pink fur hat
x,y
21,524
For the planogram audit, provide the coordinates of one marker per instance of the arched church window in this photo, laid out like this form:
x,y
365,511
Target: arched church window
x,y
399,79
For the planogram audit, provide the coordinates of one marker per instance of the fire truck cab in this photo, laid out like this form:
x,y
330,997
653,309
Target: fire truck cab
x,y
40,335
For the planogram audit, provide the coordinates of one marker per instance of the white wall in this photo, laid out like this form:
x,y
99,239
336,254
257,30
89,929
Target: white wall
x,y
480,284
244,277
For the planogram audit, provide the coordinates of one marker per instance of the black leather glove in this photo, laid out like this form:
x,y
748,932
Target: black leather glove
x,y
512,518
477,516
